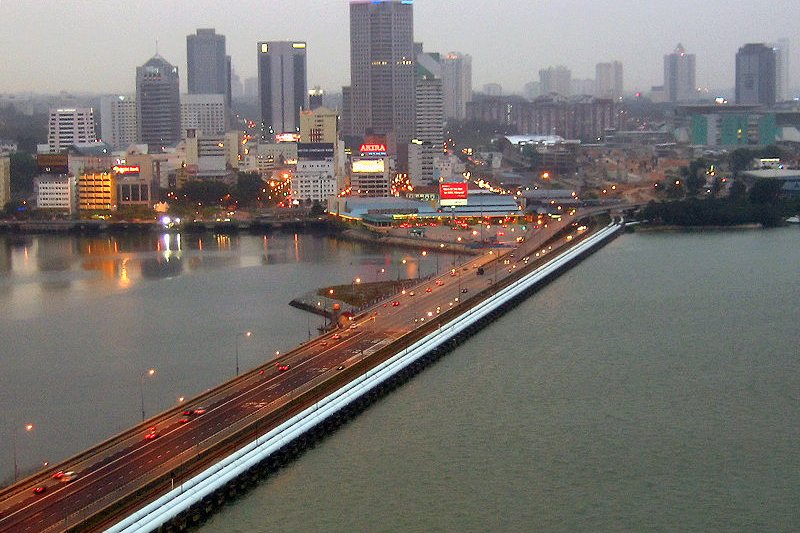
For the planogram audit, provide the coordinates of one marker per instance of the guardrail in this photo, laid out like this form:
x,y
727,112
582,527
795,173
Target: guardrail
x,y
190,492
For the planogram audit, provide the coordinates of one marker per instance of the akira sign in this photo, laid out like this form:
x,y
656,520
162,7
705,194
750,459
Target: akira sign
x,y
452,194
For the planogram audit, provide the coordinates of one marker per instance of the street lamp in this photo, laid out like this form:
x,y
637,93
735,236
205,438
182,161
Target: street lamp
x,y
245,334
28,428
149,372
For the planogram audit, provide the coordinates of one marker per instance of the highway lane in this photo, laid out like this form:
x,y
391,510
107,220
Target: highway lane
x,y
131,461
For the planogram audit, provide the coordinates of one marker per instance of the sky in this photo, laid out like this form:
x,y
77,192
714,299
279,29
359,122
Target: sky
x,y
47,46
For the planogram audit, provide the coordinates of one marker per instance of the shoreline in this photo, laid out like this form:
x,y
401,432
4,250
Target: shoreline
x,y
694,229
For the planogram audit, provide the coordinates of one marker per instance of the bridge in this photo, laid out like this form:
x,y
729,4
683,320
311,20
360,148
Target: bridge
x,y
151,474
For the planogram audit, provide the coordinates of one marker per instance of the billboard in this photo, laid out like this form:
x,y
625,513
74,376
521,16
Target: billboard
x,y
315,151
369,166
452,194
378,149
127,169
287,137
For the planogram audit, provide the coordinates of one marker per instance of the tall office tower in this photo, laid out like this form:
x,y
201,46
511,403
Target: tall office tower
x,y
208,68
457,84
608,80
237,87
158,104
70,126
755,74
382,69
282,85
556,80
320,125
679,76
205,113
428,120
315,97
118,121
782,70
532,89
251,88
5,180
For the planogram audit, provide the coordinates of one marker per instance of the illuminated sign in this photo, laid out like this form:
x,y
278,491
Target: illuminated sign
x,y
315,151
287,137
126,169
298,45
264,48
369,166
377,149
451,194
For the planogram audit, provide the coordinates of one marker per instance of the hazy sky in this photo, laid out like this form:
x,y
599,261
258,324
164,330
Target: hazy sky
x,y
95,45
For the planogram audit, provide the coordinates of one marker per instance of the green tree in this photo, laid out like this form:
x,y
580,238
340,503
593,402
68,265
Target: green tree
x,y
207,192
738,191
248,187
766,191
23,170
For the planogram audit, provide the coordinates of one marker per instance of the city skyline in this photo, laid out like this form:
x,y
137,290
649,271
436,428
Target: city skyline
x,y
44,54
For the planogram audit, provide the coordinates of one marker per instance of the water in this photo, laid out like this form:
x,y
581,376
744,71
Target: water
x,y
654,387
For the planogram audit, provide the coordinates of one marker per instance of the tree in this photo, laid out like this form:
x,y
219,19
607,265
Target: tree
x,y
248,187
207,192
23,170
766,191
738,191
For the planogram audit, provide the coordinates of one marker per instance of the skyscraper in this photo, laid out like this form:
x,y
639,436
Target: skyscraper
x,y
158,105
118,121
608,80
456,84
207,65
381,69
755,74
782,70
282,85
428,120
679,76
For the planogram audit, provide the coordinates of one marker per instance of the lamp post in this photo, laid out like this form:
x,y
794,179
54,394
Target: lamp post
x,y
28,428
149,372
244,334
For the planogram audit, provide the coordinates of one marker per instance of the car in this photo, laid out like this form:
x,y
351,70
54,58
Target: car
x,y
428,290
68,476
395,303
184,420
199,410
151,435
439,282
323,343
39,489
283,367
187,412
58,475
464,290
340,367
353,326
411,293
336,337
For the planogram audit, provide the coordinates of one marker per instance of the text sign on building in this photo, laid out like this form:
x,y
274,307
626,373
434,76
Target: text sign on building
x,y
373,149
451,194
315,151
127,169
287,137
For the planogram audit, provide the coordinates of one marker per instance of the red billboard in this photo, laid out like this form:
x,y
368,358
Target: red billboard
x,y
453,194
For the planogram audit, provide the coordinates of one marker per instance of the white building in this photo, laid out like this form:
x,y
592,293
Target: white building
x,y
58,192
428,122
68,126
457,84
207,157
206,113
118,121
314,180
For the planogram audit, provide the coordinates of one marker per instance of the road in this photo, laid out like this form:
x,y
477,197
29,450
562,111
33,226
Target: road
x,y
252,403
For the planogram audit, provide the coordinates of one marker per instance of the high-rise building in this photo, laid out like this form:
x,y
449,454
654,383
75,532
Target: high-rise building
x,y
381,94
556,80
237,86
320,125
582,87
532,89
755,74
5,180
97,191
456,84
782,70
118,121
206,113
315,97
282,85
428,120
158,104
608,80
70,126
208,68
679,76
493,89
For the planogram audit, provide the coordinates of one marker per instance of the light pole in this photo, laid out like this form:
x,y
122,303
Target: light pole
x,y
28,428
245,335
149,372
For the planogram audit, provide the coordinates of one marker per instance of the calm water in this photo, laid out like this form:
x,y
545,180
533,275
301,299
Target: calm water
x,y
655,387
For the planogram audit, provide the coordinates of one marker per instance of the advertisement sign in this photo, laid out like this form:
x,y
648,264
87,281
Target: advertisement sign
x,y
368,166
315,151
373,149
451,194
287,137
127,169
